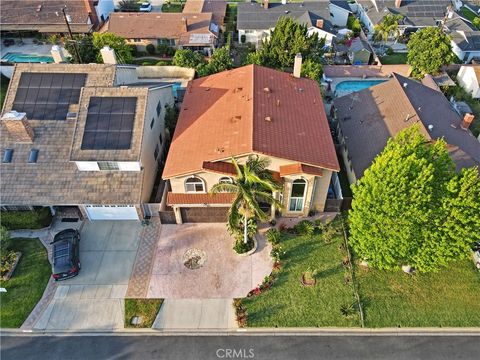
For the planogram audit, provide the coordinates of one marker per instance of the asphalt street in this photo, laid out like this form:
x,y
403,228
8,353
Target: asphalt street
x,y
277,347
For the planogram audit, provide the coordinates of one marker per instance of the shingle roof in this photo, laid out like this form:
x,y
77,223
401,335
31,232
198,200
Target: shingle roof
x,y
160,25
185,199
55,179
468,42
250,109
44,15
216,7
253,16
368,118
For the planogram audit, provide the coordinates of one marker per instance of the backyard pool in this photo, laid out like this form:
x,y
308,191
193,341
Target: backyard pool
x,y
349,86
27,58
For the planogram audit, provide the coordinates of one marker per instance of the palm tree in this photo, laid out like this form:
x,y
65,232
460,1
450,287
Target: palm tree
x,y
253,183
387,27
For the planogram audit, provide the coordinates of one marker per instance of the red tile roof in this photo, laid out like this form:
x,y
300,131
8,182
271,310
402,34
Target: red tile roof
x,y
252,109
220,167
297,168
187,199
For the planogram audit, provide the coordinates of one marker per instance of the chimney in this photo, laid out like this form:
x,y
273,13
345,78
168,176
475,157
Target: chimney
x,y
320,23
265,4
18,127
467,121
57,54
108,55
91,12
297,66
184,24
398,3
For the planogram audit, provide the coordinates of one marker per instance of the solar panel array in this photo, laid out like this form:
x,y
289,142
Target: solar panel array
x,y
109,124
47,96
425,8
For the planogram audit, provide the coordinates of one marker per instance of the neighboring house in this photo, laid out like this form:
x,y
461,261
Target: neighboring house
x,y
466,45
88,136
417,14
468,78
218,9
244,111
257,20
368,118
359,52
46,17
179,30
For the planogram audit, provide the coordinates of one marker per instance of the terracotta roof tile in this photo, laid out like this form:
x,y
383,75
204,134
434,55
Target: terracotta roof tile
x,y
186,199
298,168
220,167
247,110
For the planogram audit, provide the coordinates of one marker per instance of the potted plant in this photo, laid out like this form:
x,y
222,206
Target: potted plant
x,y
309,277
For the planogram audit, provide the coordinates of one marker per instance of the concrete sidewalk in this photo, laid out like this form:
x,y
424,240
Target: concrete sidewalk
x,y
196,314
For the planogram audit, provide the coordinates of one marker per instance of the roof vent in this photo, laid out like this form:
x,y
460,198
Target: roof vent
x,y
430,127
235,119
237,89
278,102
268,118
267,89
405,84
207,89
286,11
220,150
33,156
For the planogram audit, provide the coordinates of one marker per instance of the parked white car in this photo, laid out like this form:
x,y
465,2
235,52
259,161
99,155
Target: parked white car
x,y
145,7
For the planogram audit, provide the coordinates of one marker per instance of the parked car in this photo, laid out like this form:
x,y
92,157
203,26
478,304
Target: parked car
x,y
66,254
145,7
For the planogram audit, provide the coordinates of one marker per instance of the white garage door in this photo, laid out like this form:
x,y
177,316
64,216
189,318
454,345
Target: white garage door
x,y
112,212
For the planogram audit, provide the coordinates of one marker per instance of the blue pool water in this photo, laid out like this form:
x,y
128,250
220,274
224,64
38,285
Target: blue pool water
x,y
175,87
349,86
27,58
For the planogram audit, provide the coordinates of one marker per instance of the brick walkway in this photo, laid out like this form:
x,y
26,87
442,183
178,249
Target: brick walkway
x,y
142,269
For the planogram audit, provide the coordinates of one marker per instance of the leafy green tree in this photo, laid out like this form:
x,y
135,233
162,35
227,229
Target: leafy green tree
x,y
312,70
129,5
411,208
123,51
88,52
171,117
219,61
388,27
428,50
188,58
354,24
286,40
252,184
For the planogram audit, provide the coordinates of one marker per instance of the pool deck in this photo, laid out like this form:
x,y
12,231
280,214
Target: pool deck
x,y
27,48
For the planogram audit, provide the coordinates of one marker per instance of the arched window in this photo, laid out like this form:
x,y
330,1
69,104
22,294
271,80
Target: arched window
x,y
225,180
297,195
194,184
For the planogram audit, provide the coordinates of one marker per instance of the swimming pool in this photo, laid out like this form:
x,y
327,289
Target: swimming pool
x,y
27,58
349,86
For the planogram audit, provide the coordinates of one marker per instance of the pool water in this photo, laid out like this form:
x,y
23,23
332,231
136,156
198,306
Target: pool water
x,y
175,87
349,86
27,58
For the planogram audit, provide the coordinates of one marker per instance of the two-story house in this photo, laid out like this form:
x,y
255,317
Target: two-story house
x,y
82,135
251,110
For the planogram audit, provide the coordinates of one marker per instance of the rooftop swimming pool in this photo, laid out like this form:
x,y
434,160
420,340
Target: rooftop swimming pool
x,y
349,86
27,58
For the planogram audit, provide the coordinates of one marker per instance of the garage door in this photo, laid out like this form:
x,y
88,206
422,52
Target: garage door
x,y
204,214
124,212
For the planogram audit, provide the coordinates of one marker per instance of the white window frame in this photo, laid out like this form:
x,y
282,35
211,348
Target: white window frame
x,y
225,180
296,198
201,181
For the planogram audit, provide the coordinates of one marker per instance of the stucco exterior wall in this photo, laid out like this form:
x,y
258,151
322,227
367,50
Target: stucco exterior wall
x,y
468,80
151,136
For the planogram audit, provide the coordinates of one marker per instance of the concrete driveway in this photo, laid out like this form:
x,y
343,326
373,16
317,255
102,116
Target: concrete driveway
x,y
224,274
94,298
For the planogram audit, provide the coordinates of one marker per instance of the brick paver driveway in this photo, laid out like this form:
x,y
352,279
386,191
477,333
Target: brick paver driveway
x,y
224,273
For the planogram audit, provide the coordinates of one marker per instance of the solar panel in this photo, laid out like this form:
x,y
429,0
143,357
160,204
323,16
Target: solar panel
x,y
109,124
47,96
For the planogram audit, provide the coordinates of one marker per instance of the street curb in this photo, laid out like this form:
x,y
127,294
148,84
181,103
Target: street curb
x,y
255,332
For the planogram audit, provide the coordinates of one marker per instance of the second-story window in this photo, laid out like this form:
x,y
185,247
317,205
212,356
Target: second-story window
x,y
194,184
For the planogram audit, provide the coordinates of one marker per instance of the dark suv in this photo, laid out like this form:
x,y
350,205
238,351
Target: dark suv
x,y
66,254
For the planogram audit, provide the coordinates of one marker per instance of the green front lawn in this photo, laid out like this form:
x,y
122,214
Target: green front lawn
x,y
174,7
467,13
146,308
26,286
289,304
450,297
34,219
395,58
3,89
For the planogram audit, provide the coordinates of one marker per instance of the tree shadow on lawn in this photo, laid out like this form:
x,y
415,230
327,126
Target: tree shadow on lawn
x,y
264,315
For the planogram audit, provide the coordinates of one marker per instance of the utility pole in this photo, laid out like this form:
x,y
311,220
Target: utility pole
x,y
71,35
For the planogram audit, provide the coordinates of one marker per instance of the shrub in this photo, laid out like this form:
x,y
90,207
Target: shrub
x,y
4,239
243,38
304,227
389,51
161,63
273,236
241,247
7,260
276,253
150,49
35,219
347,310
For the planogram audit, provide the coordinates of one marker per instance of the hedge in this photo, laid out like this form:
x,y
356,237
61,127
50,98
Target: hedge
x,y
35,219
